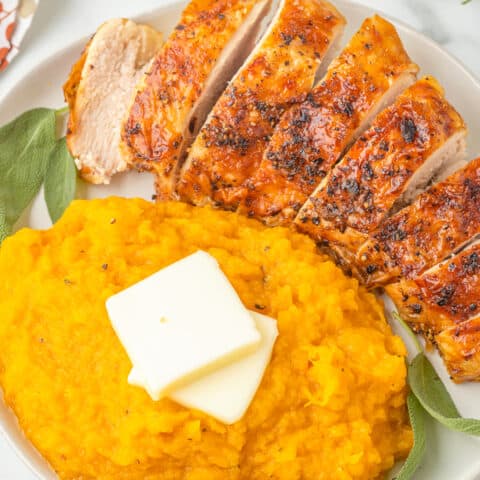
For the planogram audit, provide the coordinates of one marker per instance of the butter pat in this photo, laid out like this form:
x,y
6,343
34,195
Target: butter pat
x,y
227,393
182,323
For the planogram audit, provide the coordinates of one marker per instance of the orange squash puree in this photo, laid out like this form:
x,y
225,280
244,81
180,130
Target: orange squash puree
x,y
332,402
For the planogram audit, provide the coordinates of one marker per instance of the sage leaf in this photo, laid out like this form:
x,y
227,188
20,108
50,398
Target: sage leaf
x,y
25,144
60,180
417,420
4,230
435,399
408,330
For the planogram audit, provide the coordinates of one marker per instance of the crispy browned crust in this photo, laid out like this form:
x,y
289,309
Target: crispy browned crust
x,y
311,137
444,303
460,348
362,189
153,131
424,233
70,88
279,74
448,293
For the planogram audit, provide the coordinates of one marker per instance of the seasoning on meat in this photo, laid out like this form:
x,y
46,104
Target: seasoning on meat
x,y
311,137
438,222
279,73
174,97
369,183
448,295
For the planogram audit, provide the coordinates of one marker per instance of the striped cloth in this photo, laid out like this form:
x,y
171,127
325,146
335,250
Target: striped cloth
x,y
15,19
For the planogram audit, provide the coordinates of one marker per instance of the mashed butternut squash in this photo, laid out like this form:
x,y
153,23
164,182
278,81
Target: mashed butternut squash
x,y
331,405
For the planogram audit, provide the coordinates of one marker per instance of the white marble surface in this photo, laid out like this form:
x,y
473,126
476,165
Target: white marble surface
x,y
60,22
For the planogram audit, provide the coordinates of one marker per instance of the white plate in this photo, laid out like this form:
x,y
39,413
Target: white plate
x,y
450,456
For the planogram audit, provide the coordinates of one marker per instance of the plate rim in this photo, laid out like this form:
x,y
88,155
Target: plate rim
x,y
143,16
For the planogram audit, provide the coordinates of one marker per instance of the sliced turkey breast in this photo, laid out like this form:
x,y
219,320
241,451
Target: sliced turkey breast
x,y
99,91
172,101
416,139
444,303
438,222
369,74
278,74
448,292
459,347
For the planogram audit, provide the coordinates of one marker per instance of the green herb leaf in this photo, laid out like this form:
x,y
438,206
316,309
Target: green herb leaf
x,y
410,332
435,399
25,144
60,180
417,419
